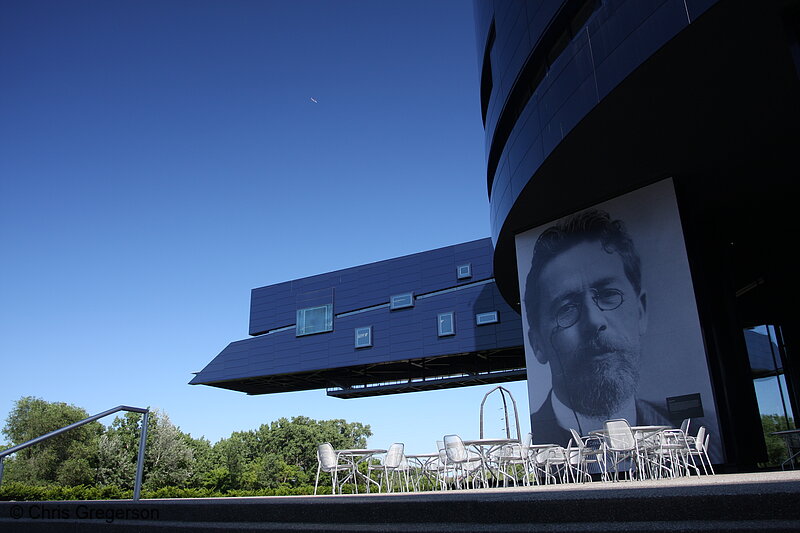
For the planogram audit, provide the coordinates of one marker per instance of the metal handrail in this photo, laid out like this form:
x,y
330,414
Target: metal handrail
x,y
137,486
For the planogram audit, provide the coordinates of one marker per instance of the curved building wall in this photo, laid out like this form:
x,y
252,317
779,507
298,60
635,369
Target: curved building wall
x,y
587,102
582,51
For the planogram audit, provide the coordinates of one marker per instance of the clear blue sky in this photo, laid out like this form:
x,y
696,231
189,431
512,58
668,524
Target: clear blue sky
x,y
159,159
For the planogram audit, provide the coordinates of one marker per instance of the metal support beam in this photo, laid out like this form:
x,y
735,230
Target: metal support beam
x,y
137,486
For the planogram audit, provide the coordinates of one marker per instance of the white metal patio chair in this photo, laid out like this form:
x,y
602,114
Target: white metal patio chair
x,y
670,455
390,466
670,451
513,457
698,447
329,463
405,471
445,472
621,445
466,466
553,463
705,452
583,452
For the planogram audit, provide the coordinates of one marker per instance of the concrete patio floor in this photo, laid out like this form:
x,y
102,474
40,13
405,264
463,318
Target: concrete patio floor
x,y
764,501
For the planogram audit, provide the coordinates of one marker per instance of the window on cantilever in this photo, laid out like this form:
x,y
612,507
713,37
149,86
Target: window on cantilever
x,y
312,320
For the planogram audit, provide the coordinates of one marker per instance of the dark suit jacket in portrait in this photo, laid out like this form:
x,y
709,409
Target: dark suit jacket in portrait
x,y
547,430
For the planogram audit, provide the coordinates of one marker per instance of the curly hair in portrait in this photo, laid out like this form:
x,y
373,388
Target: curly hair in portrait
x,y
591,225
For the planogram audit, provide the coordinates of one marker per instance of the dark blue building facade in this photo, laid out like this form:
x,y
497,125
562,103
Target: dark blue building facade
x,y
587,101
424,321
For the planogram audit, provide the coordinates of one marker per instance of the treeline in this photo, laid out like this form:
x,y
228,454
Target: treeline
x,y
277,458
776,446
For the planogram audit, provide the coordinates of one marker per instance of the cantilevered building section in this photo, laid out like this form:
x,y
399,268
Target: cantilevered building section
x,y
430,320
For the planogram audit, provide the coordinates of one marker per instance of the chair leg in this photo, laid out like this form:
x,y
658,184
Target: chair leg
x,y
603,464
710,466
702,461
533,470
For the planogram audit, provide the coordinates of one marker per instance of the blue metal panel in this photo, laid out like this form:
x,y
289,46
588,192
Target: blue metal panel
x,y
539,16
513,45
367,285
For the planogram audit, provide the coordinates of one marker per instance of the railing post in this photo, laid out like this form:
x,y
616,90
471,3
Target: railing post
x,y
137,486
1,469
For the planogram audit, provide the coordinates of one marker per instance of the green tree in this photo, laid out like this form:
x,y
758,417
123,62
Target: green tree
x,y
232,457
204,463
168,459
69,459
776,446
282,453
296,440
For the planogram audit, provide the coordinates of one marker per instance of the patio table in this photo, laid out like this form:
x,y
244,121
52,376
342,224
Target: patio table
x,y
422,462
485,447
641,434
356,456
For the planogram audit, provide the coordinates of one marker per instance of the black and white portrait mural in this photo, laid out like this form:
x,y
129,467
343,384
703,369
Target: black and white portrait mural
x,y
610,320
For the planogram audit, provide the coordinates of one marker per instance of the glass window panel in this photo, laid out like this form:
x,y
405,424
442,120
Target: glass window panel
x,y
314,320
399,301
446,324
465,271
486,318
364,337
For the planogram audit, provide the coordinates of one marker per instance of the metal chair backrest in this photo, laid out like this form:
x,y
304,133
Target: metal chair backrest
x,y
619,435
442,453
455,449
394,456
326,456
556,454
513,451
699,440
526,442
576,438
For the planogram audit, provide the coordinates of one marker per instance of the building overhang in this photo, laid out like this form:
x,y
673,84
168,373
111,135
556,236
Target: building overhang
x,y
410,375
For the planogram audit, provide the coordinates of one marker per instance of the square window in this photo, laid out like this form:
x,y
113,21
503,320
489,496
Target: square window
x,y
486,318
364,337
314,320
400,301
447,324
465,271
